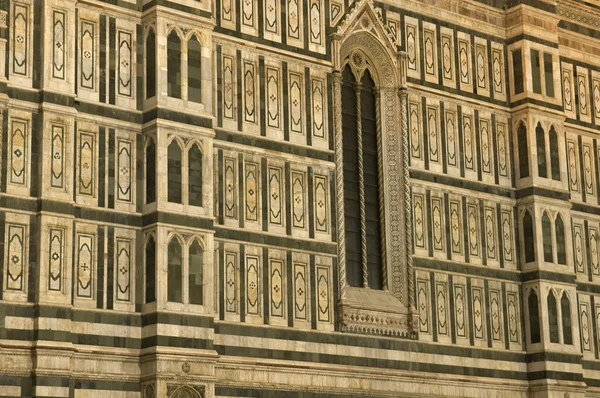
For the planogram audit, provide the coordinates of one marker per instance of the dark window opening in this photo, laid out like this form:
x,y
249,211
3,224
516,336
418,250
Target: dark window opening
x,y
150,271
554,156
523,151
174,171
195,176
173,65
195,275
528,237
175,272
552,317
151,64
559,230
547,237
536,71
565,308
194,70
534,318
540,140
150,172
549,74
518,70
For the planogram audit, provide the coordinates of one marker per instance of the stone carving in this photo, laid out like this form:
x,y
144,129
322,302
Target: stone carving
x,y
15,257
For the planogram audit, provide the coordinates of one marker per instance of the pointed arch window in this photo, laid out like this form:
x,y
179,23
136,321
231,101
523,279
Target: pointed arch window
x,y
552,318
554,155
547,238
194,60
173,65
527,237
195,176
565,308
195,273
534,318
150,172
540,140
559,231
175,271
523,151
361,181
150,64
150,270
174,171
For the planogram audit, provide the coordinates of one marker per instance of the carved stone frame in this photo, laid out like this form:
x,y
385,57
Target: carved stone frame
x,y
389,311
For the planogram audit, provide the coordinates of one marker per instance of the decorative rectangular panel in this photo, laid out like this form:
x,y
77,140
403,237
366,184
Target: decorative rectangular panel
x,y
460,310
464,57
277,288
585,324
419,217
496,315
87,164
294,14
583,95
438,225
503,152
19,147
588,172
273,102
250,109
248,13
275,195
568,94
507,235
412,47
87,67
573,166
125,63
295,91
124,169
486,146
230,282
300,291
512,305
58,44
468,142
415,130
423,303
318,108
15,257
473,226
252,285
57,162
298,198
227,12
230,187
272,15
498,71
593,250
251,185
478,313
56,257
578,248
451,139
456,230
228,87
490,233
441,292
123,270
481,64
321,204
324,294
433,135
447,57
20,40
316,22
85,265
596,97
430,50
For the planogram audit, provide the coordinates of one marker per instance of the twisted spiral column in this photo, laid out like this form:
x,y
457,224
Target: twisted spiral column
x,y
361,189
380,173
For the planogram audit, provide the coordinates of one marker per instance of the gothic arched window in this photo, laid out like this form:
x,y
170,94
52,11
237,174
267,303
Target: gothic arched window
x,y
150,270
565,307
547,237
534,318
150,172
540,140
150,64
361,181
174,65
195,273
195,176
559,230
527,237
174,271
552,318
174,172
523,151
554,156
194,70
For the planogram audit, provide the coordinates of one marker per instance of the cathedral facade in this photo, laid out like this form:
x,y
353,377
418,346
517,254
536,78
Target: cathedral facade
x,y
300,198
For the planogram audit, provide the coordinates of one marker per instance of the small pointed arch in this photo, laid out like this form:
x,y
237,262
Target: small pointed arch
x,y
150,172
196,274
554,154
559,231
175,270
547,237
534,317
527,237
552,317
150,268
523,150
150,63
194,72
174,64
565,307
195,174
174,165
540,140
185,392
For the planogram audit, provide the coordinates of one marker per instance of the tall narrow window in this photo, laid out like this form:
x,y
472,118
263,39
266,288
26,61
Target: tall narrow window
x,y
559,230
565,308
150,270
175,271
548,75
523,151
517,57
174,170
150,172
361,181
173,65
534,318
540,141
195,275
536,71
194,70
528,237
547,237
552,317
554,156
151,64
195,176
351,196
